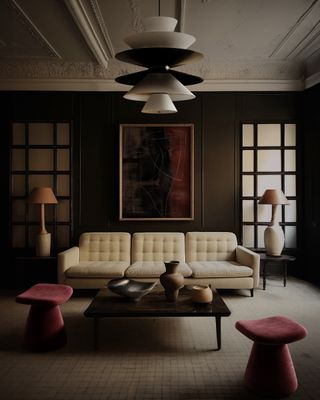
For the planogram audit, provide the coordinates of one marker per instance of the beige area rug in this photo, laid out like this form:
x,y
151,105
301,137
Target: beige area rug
x,y
152,358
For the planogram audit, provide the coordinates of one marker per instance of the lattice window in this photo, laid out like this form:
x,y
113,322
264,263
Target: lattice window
x,y
41,156
268,161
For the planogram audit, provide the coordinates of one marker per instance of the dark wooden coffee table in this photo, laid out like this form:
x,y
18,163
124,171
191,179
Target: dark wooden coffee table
x,y
107,304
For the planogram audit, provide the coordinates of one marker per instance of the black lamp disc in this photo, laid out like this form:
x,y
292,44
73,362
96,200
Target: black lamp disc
x,y
159,56
133,79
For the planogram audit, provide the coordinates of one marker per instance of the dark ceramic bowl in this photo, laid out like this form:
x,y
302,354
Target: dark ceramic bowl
x,y
133,290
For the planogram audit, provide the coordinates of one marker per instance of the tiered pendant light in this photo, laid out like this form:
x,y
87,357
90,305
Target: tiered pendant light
x,y
159,49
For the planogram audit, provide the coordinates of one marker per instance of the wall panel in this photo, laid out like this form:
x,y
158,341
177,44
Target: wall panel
x,y
218,162
311,187
95,120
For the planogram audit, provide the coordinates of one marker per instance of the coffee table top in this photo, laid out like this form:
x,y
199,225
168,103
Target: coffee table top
x,y
154,304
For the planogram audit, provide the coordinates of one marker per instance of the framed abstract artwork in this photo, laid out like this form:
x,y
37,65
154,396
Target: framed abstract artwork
x,y
156,172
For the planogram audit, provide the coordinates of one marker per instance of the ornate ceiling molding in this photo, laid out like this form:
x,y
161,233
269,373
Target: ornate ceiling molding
x,y
300,35
282,70
306,44
106,85
104,31
25,20
42,69
42,75
50,70
101,49
312,80
275,70
135,8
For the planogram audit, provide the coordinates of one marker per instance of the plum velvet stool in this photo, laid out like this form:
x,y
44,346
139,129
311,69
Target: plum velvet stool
x,y
270,370
45,326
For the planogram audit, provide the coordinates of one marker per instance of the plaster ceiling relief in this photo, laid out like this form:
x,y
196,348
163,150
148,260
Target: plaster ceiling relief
x,y
55,70
251,69
63,70
242,40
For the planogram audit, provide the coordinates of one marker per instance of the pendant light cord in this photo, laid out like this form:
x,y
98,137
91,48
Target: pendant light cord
x,y
159,7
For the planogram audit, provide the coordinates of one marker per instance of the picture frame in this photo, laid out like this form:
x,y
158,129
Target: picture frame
x,y
156,172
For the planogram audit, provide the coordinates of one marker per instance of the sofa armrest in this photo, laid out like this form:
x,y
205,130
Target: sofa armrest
x,y
66,259
249,259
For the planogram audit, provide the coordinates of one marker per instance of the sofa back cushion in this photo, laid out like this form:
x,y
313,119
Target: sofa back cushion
x,y
211,246
158,246
105,246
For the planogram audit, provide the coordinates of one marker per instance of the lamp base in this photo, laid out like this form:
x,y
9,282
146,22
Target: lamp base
x,y
43,245
273,240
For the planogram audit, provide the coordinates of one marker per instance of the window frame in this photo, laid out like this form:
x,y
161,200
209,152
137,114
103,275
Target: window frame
x,y
26,172
255,173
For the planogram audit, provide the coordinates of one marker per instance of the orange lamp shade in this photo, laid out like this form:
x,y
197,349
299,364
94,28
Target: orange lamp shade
x,y
273,196
42,195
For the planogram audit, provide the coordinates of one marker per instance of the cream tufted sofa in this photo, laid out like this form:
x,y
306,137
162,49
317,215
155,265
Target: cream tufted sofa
x,y
151,249
216,258
99,257
205,258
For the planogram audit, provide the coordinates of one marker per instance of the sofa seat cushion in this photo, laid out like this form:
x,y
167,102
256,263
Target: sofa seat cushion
x,y
153,269
97,269
219,269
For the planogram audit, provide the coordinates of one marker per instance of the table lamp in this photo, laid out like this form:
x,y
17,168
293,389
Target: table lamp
x,y
273,235
42,196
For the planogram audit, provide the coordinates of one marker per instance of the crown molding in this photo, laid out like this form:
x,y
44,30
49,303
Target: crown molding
x,y
287,47
312,80
249,85
104,31
76,85
109,85
88,24
42,70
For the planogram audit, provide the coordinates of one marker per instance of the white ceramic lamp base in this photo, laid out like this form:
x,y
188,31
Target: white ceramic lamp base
x,y
273,240
43,245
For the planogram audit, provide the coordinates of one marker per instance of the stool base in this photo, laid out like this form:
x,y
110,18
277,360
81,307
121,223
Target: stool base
x,y
45,329
270,371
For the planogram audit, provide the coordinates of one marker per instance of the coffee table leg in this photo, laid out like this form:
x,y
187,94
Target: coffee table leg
x,y
95,332
218,331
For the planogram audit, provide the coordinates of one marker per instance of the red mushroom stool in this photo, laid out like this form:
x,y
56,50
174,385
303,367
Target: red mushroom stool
x,y
270,370
45,326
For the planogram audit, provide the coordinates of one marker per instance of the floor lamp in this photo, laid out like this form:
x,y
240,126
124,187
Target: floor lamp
x,y
273,234
42,196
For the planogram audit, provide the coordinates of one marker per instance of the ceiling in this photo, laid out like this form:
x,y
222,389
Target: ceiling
x,y
247,44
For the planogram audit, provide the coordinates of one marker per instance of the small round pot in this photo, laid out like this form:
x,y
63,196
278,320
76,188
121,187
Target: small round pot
x,y
201,294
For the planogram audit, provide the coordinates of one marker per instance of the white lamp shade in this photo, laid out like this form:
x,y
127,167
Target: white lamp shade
x,y
155,82
159,24
177,40
159,103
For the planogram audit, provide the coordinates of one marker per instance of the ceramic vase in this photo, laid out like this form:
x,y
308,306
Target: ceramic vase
x,y
172,280
274,240
201,294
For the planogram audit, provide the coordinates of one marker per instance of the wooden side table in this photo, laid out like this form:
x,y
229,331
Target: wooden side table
x,y
30,270
283,259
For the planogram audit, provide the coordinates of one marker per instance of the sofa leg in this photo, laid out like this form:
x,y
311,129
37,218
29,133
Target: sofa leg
x,y
251,292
